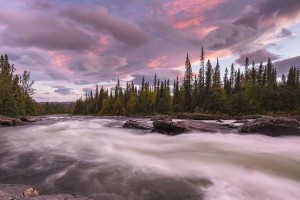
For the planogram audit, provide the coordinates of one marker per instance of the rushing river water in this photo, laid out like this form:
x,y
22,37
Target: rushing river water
x,y
95,157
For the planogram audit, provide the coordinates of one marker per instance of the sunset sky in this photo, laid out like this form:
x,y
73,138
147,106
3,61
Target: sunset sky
x,y
70,46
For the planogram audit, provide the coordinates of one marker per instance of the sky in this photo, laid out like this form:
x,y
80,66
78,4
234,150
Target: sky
x,y
69,46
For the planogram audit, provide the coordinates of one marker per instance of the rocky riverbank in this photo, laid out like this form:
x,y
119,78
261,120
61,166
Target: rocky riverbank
x,y
9,121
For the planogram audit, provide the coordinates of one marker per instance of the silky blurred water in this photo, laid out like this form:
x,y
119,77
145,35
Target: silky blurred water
x,y
97,158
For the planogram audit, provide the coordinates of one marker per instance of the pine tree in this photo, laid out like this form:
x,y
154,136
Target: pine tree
x,y
208,78
246,69
232,78
188,78
216,77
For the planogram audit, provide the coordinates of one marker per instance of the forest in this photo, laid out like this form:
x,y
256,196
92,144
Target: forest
x,y
16,94
15,91
255,90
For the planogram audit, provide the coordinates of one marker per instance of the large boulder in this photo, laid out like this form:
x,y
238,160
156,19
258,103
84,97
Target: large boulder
x,y
272,126
169,127
137,125
175,128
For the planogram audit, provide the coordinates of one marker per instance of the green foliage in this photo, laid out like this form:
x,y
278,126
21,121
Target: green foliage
x,y
254,90
15,91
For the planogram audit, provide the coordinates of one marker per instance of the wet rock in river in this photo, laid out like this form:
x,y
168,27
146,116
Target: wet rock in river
x,y
272,126
137,125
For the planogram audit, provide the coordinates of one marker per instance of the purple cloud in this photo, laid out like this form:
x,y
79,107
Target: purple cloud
x,y
260,55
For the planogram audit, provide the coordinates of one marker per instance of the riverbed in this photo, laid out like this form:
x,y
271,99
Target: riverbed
x,y
97,158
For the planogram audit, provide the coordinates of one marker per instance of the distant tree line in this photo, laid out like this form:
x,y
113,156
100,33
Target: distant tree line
x,y
49,108
254,90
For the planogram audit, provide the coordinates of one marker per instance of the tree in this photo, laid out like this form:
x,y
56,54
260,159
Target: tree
x,y
187,84
208,78
216,77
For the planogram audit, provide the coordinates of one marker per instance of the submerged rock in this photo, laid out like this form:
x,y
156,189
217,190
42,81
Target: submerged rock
x,y
272,126
219,121
242,121
137,125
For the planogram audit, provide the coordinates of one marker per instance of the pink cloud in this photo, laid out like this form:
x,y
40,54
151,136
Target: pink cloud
x,y
185,15
156,62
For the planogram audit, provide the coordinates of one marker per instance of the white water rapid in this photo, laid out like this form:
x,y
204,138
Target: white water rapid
x,y
97,158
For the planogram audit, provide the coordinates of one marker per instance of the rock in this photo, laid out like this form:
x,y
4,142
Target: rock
x,y
169,127
26,192
137,125
219,121
272,126
161,117
30,192
31,118
242,121
8,121
175,128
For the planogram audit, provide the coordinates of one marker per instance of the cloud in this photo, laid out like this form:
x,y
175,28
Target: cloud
x,y
260,55
228,35
185,15
56,75
87,90
268,13
284,33
100,20
283,66
62,90
46,32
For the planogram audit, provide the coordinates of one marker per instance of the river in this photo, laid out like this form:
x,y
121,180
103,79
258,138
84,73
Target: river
x,y
96,158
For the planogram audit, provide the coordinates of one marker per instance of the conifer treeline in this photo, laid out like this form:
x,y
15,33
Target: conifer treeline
x,y
251,91
15,91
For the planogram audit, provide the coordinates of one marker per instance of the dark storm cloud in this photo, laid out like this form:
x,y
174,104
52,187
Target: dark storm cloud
x,y
283,66
99,19
260,55
62,90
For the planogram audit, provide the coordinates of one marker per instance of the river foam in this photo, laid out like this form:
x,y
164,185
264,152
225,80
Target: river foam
x,y
97,158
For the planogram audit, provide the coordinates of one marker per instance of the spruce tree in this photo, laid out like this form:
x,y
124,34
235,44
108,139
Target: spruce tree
x,y
187,84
